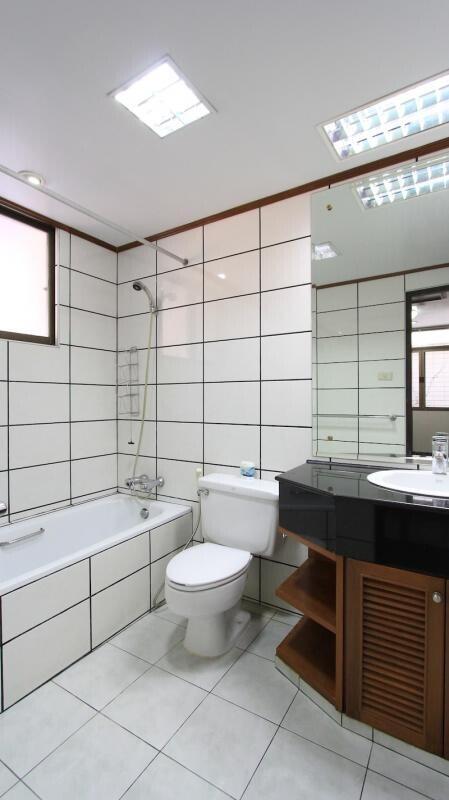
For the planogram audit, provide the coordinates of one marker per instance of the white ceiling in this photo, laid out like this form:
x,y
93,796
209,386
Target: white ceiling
x,y
273,69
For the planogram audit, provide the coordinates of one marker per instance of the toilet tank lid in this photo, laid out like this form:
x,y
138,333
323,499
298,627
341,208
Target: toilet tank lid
x,y
236,484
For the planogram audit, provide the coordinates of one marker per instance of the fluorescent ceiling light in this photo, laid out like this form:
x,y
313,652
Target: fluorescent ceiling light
x,y
32,177
396,116
163,99
323,250
401,184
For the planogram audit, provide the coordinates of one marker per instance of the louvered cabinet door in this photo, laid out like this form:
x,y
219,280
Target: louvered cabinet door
x,y
394,652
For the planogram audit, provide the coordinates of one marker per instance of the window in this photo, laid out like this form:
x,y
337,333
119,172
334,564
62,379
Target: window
x,y
27,281
430,379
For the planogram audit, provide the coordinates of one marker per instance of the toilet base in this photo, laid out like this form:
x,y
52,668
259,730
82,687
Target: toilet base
x,y
215,634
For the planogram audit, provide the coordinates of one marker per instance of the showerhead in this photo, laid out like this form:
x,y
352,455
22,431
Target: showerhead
x,y
138,286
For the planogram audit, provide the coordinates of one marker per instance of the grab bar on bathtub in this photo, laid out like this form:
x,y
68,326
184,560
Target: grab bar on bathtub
x,y
22,538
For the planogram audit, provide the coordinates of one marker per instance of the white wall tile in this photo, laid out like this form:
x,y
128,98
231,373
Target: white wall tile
x,y
158,569
119,605
186,245
285,448
3,448
93,402
180,325
180,478
232,402
181,440
182,403
232,319
339,428
382,430
337,323
375,319
287,219
63,285
139,262
337,348
93,475
38,362
382,401
93,438
38,444
384,290
180,287
3,403
38,486
232,276
134,332
231,444
93,330
63,325
132,302
382,374
124,403
38,402
338,401
286,402
337,376
93,294
180,364
120,561
33,658
427,279
272,575
286,264
128,430
337,297
236,360
93,366
3,360
252,587
4,494
231,235
377,346
171,536
93,259
63,242
286,310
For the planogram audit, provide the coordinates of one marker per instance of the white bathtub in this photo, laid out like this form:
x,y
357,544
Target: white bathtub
x,y
73,534
94,569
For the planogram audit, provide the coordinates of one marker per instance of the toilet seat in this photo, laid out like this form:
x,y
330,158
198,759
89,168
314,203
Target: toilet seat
x,y
206,566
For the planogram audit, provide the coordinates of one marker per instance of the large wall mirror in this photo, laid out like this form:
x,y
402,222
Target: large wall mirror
x,y
380,275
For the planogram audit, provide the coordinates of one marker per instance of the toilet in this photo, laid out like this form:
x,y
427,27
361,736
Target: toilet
x,y
205,583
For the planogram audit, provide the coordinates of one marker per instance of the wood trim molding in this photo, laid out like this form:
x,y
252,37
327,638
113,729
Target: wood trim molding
x,y
379,277
28,212
311,186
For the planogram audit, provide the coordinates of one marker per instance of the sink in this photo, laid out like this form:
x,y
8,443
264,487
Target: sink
x,y
412,481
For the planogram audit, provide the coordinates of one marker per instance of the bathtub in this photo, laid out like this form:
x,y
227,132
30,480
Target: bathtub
x,y
72,578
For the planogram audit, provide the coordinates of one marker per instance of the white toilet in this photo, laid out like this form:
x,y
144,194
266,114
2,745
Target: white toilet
x,y
205,583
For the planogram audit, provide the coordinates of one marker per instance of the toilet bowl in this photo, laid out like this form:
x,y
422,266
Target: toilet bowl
x,y
205,583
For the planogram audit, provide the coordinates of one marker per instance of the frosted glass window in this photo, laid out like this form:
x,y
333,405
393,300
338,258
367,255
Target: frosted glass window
x,y
437,379
415,380
26,279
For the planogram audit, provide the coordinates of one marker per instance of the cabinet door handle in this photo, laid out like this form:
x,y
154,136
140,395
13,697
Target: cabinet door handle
x,y
437,597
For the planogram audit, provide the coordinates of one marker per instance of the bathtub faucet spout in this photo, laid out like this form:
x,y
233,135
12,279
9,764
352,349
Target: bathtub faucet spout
x,y
143,483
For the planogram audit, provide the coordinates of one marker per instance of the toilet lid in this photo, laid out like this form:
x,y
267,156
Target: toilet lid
x,y
206,563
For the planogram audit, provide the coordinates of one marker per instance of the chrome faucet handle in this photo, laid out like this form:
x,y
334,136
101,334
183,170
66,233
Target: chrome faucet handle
x,y
3,508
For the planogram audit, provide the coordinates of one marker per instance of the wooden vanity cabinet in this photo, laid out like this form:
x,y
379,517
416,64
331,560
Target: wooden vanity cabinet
x,y
395,624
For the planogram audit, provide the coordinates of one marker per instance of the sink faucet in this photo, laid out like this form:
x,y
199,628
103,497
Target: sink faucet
x,y
439,453
143,483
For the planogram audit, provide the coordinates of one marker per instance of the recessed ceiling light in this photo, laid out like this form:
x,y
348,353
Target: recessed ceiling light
x,y
396,116
32,177
163,99
323,250
221,275
401,184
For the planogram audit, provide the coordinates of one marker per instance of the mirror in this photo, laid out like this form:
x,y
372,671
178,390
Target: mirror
x,y
380,275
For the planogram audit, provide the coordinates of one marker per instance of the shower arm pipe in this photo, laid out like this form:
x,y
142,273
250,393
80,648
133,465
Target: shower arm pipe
x,y
87,213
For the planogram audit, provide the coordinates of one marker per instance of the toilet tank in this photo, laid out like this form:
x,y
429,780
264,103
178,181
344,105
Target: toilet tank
x,y
240,512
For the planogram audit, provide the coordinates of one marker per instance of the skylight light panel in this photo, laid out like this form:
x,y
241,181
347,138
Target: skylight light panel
x,y
410,111
163,99
402,184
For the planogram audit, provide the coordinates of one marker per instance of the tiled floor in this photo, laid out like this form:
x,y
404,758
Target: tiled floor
x,y
140,719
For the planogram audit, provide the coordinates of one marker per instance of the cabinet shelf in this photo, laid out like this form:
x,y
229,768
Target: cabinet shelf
x,y
309,650
312,590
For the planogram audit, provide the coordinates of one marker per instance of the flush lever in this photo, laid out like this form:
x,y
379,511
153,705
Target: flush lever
x,y
3,508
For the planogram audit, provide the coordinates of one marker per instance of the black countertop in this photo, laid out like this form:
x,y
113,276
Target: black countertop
x,y
336,507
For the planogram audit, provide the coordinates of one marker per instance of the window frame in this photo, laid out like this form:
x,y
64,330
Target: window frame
x,y
50,231
422,377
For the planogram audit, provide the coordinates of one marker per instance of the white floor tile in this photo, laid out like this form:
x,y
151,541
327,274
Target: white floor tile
x,y
34,727
203,672
295,768
286,618
101,676
379,788
155,706
222,743
19,792
306,719
409,773
165,613
162,781
255,626
149,638
98,763
255,684
7,778
265,644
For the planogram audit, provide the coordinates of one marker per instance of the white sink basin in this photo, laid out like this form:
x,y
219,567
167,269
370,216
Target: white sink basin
x,y
412,481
